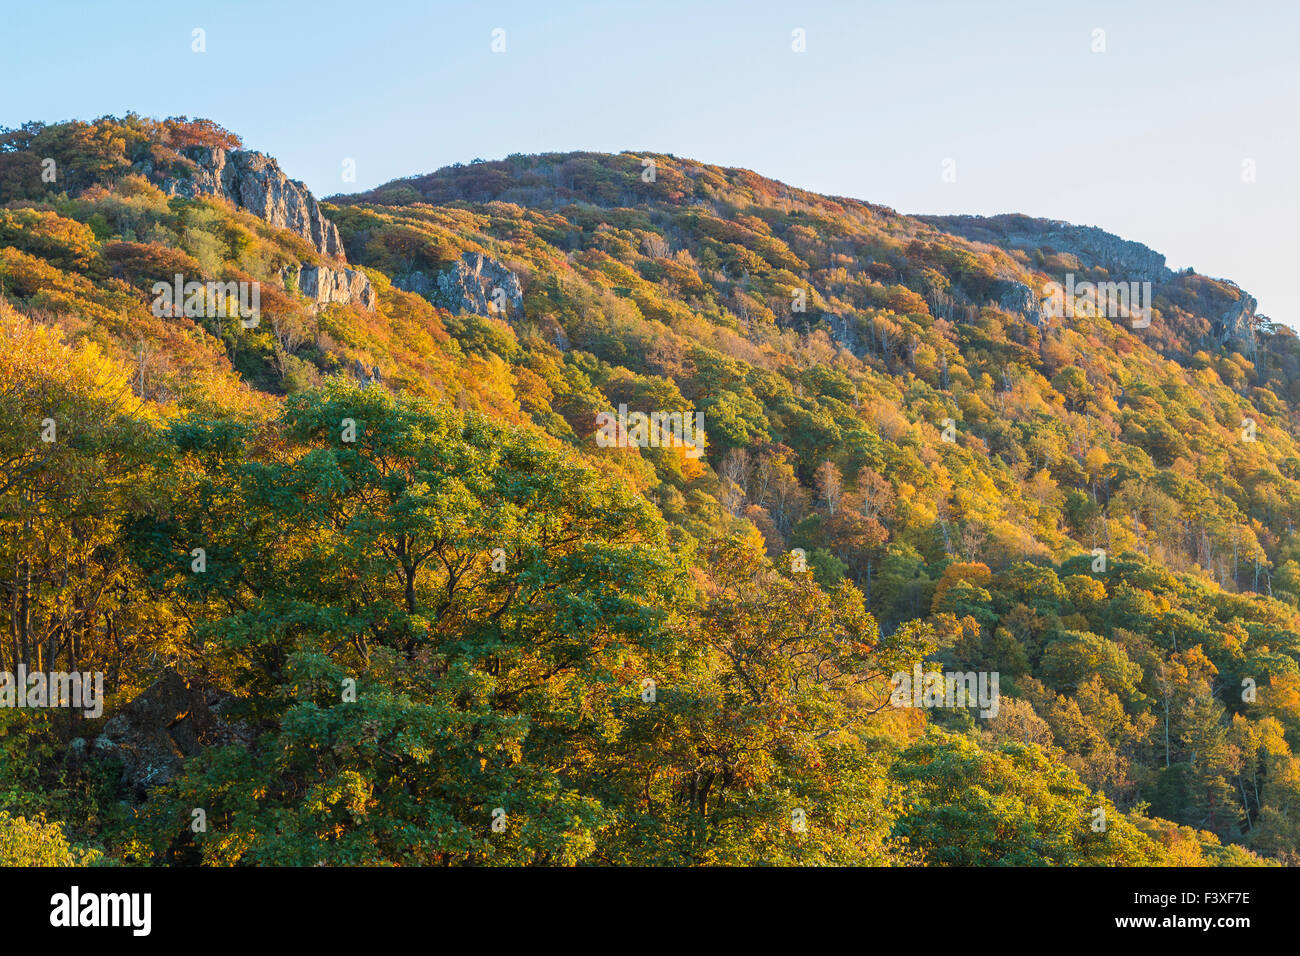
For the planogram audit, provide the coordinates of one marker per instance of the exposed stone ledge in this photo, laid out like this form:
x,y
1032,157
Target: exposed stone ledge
x,y
326,285
476,284
254,182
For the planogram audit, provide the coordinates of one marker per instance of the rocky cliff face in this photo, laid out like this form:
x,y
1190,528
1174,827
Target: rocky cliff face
x,y
326,285
477,284
1019,299
1237,325
254,182
1125,260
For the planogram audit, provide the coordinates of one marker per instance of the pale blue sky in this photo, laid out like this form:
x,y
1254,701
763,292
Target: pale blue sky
x,y
1146,139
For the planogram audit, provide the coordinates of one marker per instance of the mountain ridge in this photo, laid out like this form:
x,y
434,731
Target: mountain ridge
x,y
907,460
520,175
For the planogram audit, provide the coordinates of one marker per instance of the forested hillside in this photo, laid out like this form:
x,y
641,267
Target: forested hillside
x,y
368,586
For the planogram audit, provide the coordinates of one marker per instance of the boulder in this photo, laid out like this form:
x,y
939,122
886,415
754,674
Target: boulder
x,y
168,722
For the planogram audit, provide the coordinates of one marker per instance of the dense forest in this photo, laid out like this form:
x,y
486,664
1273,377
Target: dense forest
x,y
365,588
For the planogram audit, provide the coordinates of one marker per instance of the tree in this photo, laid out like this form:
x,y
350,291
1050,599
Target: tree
x,y
1008,805
368,565
829,484
781,721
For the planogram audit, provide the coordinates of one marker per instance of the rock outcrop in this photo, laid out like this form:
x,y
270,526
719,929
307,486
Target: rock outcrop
x,y
327,285
476,283
421,283
156,732
254,182
1019,299
366,376
1125,260
1237,325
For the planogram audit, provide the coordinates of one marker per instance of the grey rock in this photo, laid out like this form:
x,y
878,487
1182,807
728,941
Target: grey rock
x,y
167,723
470,285
1019,299
1125,260
328,285
418,282
366,376
477,284
1237,324
254,182
844,332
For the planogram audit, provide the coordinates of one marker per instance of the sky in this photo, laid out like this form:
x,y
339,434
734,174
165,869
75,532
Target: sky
x,y
1175,126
